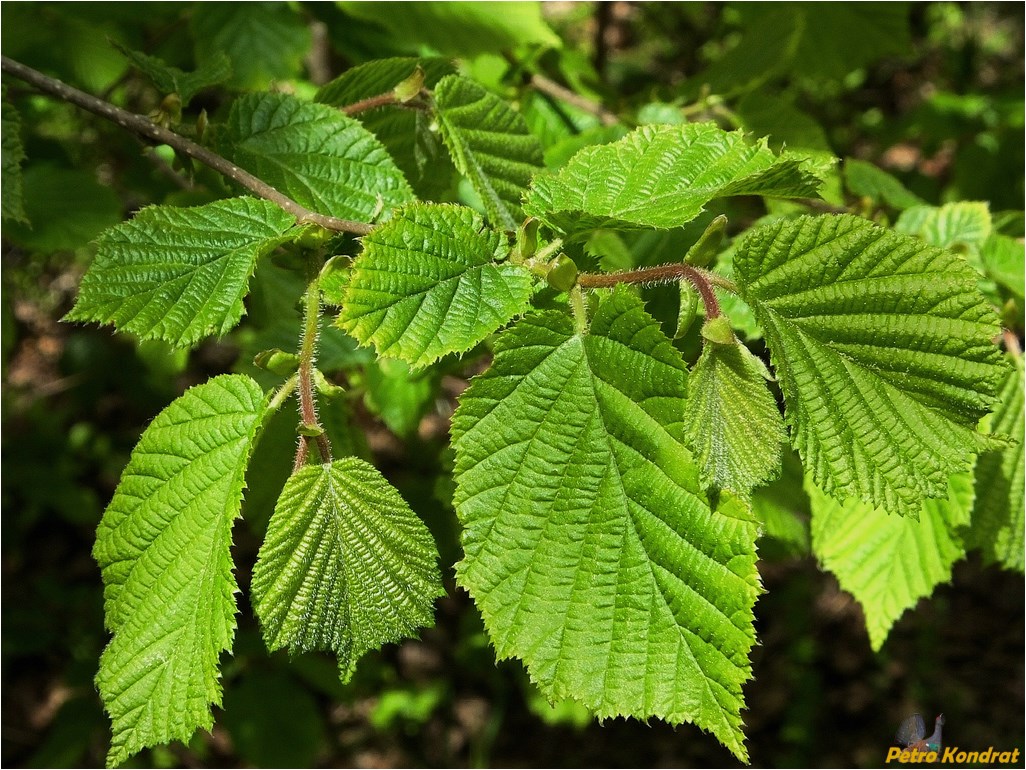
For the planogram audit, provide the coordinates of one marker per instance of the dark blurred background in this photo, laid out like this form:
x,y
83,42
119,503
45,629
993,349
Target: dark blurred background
x,y
939,104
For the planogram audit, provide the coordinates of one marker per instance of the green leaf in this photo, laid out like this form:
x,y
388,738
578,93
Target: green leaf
x,y
889,562
590,548
406,133
963,226
214,70
876,184
732,423
179,274
427,284
399,396
783,509
12,154
459,28
883,349
998,518
662,176
379,77
163,546
264,41
1003,262
490,145
346,565
316,155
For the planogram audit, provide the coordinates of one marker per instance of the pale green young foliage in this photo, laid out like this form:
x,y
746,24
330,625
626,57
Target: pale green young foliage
x,y
490,145
590,548
163,546
889,562
179,274
964,225
427,284
883,349
662,176
346,565
731,420
998,518
316,155
1003,261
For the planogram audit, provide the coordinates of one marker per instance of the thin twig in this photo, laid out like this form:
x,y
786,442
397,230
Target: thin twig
x,y
554,89
145,127
702,280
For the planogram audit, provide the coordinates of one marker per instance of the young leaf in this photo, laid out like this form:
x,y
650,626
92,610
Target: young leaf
x,y
318,157
963,225
179,274
732,423
490,144
590,548
163,546
346,565
998,517
12,154
889,562
883,349
662,176
427,284
406,133
1003,262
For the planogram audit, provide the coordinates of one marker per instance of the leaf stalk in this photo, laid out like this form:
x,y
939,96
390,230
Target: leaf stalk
x,y
305,386
702,280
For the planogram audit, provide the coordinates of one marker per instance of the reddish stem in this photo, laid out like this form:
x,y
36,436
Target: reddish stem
x,y
702,280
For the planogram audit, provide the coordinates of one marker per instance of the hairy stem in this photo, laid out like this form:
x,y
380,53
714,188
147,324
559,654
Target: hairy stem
x,y
145,127
381,100
281,395
307,354
702,280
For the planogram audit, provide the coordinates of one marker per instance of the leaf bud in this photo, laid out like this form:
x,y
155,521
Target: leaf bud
x,y
277,361
409,88
708,243
718,331
310,430
562,273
